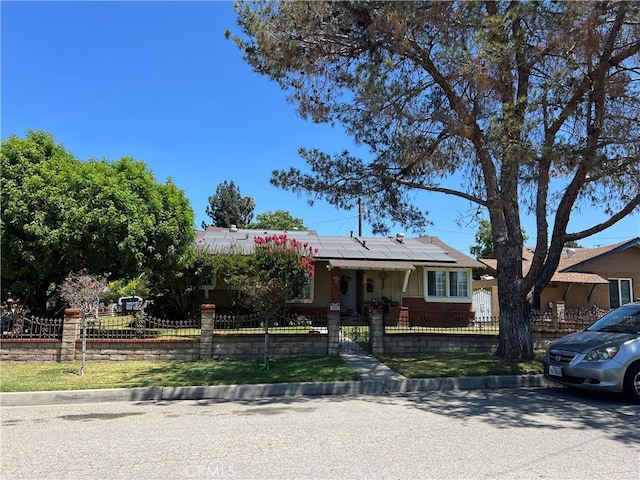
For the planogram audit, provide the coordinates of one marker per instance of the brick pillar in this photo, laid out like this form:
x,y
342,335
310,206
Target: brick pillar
x,y
70,331
558,313
376,332
207,317
333,330
403,319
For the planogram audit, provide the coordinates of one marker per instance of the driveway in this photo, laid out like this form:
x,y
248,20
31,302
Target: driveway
x,y
502,434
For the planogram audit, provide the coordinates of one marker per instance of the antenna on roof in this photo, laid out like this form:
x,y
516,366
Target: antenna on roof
x,y
359,217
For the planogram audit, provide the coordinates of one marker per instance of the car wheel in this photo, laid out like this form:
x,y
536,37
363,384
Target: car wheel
x,y
632,383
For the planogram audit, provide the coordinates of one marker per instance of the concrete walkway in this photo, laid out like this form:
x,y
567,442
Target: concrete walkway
x,y
366,365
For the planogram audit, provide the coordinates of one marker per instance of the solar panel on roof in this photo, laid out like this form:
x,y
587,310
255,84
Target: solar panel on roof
x,y
377,249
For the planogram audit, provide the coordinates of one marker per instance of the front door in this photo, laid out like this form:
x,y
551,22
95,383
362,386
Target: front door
x,y
348,291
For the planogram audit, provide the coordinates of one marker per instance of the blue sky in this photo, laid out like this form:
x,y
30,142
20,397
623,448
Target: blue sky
x,y
158,81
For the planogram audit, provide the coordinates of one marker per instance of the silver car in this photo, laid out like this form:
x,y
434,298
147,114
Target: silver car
x,y
604,356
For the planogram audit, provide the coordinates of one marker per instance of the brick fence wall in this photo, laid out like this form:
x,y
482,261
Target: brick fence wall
x,y
211,345
284,345
411,343
29,350
124,350
34,350
208,345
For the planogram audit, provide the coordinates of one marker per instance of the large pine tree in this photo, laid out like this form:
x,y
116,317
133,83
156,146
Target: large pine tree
x,y
228,207
534,105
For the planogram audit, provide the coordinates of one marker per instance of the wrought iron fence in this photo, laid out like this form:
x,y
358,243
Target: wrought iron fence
x,y
19,325
144,326
254,323
459,326
140,326
355,338
571,319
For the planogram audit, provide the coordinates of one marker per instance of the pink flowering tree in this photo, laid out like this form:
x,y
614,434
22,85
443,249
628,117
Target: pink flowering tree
x,y
83,291
284,268
287,261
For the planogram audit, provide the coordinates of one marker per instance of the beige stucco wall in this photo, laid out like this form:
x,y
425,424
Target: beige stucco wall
x,y
625,264
390,287
321,286
576,295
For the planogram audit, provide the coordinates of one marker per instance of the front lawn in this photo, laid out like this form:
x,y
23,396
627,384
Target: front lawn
x,y
23,377
460,364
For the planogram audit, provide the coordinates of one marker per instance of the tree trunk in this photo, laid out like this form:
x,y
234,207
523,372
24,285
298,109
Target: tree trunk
x,y
535,299
514,340
266,342
84,343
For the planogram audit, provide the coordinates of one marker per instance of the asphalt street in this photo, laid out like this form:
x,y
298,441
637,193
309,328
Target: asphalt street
x,y
529,433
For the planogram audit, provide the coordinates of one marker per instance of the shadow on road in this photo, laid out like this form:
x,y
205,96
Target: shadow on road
x,y
532,408
551,407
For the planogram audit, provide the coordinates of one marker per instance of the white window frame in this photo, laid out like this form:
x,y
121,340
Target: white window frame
x,y
447,297
208,285
619,281
210,282
309,287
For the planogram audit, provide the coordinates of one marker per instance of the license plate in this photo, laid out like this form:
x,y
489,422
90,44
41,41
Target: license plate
x,y
555,371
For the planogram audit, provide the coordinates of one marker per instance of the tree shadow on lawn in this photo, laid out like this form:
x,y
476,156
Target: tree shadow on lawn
x,y
244,371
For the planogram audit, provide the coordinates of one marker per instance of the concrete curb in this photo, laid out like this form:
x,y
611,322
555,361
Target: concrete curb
x,y
266,390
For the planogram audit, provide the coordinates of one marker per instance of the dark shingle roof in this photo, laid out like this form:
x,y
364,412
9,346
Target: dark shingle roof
x,y
570,259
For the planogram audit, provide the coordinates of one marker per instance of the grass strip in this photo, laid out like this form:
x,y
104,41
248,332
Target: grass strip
x,y
461,364
30,377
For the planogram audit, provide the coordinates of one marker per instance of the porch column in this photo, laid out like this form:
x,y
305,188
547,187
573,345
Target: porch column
x,y
207,318
333,330
70,329
334,273
376,332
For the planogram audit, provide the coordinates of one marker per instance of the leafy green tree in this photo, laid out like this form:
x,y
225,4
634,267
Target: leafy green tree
x,y
228,207
278,220
178,289
234,269
60,214
572,244
125,288
484,243
508,105
484,240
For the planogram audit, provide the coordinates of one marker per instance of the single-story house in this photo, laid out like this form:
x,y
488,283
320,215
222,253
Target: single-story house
x,y
605,277
415,281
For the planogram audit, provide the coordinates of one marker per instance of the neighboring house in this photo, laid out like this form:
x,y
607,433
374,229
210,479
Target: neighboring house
x,y
415,281
605,277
